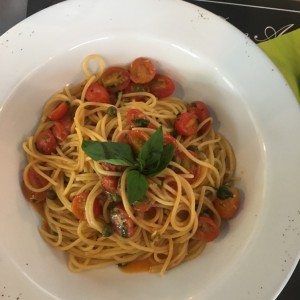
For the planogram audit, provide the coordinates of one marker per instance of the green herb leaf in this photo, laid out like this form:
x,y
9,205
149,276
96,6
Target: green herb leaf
x,y
224,192
137,186
151,151
112,152
141,122
166,157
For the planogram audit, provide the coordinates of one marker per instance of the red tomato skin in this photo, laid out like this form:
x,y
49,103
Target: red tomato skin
x,y
142,70
123,225
110,167
186,124
37,181
136,139
115,79
59,131
136,88
207,229
228,207
46,142
136,114
97,93
200,109
59,112
78,206
110,183
142,206
162,86
170,139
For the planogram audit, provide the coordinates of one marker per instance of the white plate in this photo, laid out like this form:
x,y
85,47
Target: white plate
x,y
209,59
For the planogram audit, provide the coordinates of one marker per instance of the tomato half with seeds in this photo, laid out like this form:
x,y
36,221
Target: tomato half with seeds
x,y
78,206
200,109
142,70
136,118
37,181
97,93
123,225
170,139
136,139
162,86
46,142
110,183
207,230
227,202
115,79
186,124
59,112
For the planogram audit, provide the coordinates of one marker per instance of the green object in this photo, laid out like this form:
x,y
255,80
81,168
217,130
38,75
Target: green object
x,y
153,157
284,51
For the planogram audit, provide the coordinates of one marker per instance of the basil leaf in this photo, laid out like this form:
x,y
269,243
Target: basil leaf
x,y
166,157
151,151
136,185
112,152
141,122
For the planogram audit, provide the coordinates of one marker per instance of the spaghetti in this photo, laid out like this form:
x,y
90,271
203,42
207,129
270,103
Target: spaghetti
x,y
86,209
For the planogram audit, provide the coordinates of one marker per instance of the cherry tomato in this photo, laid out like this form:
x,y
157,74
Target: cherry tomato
x,y
136,118
136,88
59,112
136,139
78,206
115,79
200,109
46,142
186,124
110,167
67,122
122,223
110,183
142,70
59,131
207,229
170,139
162,86
37,181
227,202
97,93
142,206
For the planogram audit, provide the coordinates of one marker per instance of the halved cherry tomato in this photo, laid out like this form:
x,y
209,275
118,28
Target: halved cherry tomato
x,y
37,181
59,112
142,70
136,88
115,79
190,165
200,109
46,142
78,206
227,202
186,124
62,128
97,93
110,167
136,118
162,86
110,183
207,229
142,206
59,131
122,223
136,139
170,139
